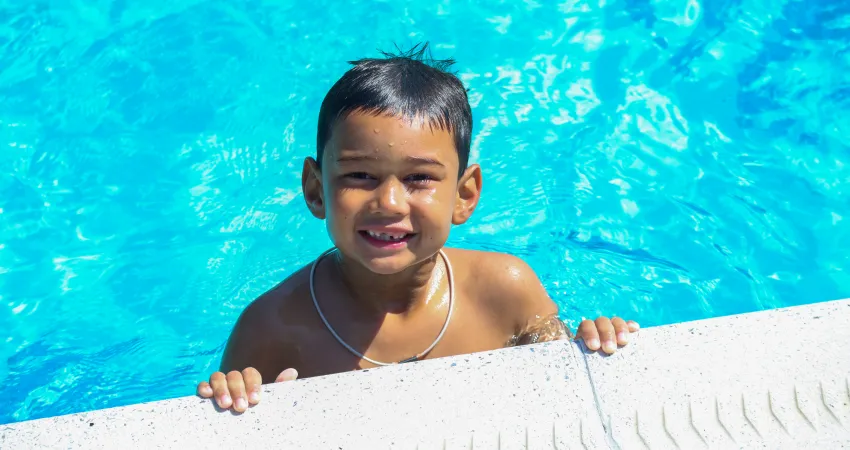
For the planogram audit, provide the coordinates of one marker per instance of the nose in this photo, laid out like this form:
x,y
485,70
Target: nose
x,y
391,198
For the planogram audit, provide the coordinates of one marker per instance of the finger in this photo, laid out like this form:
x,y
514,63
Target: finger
x,y
253,383
587,331
621,330
287,375
634,327
236,386
218,382
205,390
606,335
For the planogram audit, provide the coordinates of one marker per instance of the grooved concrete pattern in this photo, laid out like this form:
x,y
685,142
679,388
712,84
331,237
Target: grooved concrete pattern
x,y
767,380
774,379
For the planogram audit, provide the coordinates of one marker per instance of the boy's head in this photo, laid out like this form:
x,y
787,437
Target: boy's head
x,y
391,175
408,86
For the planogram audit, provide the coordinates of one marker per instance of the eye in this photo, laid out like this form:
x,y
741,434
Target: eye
x,y
358,176
420,179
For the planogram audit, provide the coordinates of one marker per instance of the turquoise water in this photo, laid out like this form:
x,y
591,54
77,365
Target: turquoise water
x,y
666,161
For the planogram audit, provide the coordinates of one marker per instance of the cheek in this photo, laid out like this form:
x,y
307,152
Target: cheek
x,y
340,206
437,206
340,199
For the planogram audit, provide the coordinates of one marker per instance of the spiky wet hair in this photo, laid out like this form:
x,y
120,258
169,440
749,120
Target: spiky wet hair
x,y
409,84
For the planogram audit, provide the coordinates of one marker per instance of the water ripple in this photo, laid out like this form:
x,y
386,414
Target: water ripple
x,y
665,161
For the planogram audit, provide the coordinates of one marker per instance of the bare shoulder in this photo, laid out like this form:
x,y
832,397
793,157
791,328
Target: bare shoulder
x,y
503,282
499,270
267,332
278,305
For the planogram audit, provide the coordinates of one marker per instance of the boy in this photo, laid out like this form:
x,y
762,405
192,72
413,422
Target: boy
x,y
390,178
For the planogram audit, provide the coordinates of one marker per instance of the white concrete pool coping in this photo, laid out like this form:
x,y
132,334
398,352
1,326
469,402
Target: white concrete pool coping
x,y
771,379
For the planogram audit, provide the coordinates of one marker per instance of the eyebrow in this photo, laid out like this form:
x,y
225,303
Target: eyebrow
x,y
413,159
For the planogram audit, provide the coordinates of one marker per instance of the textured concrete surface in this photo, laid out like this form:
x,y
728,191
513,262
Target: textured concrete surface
x,y
776,379
773,379
458,400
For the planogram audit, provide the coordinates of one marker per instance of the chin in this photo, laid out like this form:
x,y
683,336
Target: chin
x,y
387,265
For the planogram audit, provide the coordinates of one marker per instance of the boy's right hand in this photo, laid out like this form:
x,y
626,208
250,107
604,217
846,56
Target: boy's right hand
x,y
239,389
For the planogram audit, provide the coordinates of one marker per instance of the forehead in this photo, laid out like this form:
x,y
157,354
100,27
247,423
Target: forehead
x,y
386,135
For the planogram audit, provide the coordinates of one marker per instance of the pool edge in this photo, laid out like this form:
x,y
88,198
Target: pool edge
x,y
636,398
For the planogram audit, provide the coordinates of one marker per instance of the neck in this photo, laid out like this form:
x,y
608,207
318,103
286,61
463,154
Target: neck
x,y
399,293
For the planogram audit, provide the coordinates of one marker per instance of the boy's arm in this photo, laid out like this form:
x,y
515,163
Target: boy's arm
x,y
253,352
253,342
523,298
537,315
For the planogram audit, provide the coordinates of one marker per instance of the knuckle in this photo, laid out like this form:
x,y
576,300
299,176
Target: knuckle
x,y
203,387
234,375
236,388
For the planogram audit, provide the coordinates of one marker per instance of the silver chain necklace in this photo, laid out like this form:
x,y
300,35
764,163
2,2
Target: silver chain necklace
x,y
362,356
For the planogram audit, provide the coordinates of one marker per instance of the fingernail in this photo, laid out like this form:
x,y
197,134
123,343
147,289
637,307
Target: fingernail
x,y
593,344
254,396
241,403
225,399
623,337
609,347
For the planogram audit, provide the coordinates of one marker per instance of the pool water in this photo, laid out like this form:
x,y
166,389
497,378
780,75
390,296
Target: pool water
x,y
664,161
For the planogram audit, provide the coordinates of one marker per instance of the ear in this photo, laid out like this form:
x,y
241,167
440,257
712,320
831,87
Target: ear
x,y
468,193
311,186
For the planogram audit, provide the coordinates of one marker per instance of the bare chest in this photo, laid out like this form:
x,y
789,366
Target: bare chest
x,y
468,332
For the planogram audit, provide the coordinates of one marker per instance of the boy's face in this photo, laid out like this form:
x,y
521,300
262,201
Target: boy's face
x,y
389,190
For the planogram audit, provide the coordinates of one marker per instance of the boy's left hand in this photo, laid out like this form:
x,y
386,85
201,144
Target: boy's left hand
x,y
606,333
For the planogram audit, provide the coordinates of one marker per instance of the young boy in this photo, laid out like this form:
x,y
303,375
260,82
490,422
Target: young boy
x,y
390,178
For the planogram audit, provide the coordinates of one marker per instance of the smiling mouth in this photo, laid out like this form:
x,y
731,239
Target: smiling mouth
x,y
386,239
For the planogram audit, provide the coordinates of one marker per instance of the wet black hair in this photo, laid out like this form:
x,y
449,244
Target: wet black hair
x,y
408,84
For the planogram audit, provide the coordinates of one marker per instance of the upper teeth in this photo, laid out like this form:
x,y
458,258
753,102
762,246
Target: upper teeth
x,y
387,236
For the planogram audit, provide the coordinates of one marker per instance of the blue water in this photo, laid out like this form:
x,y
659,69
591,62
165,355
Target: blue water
x,y
665,161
